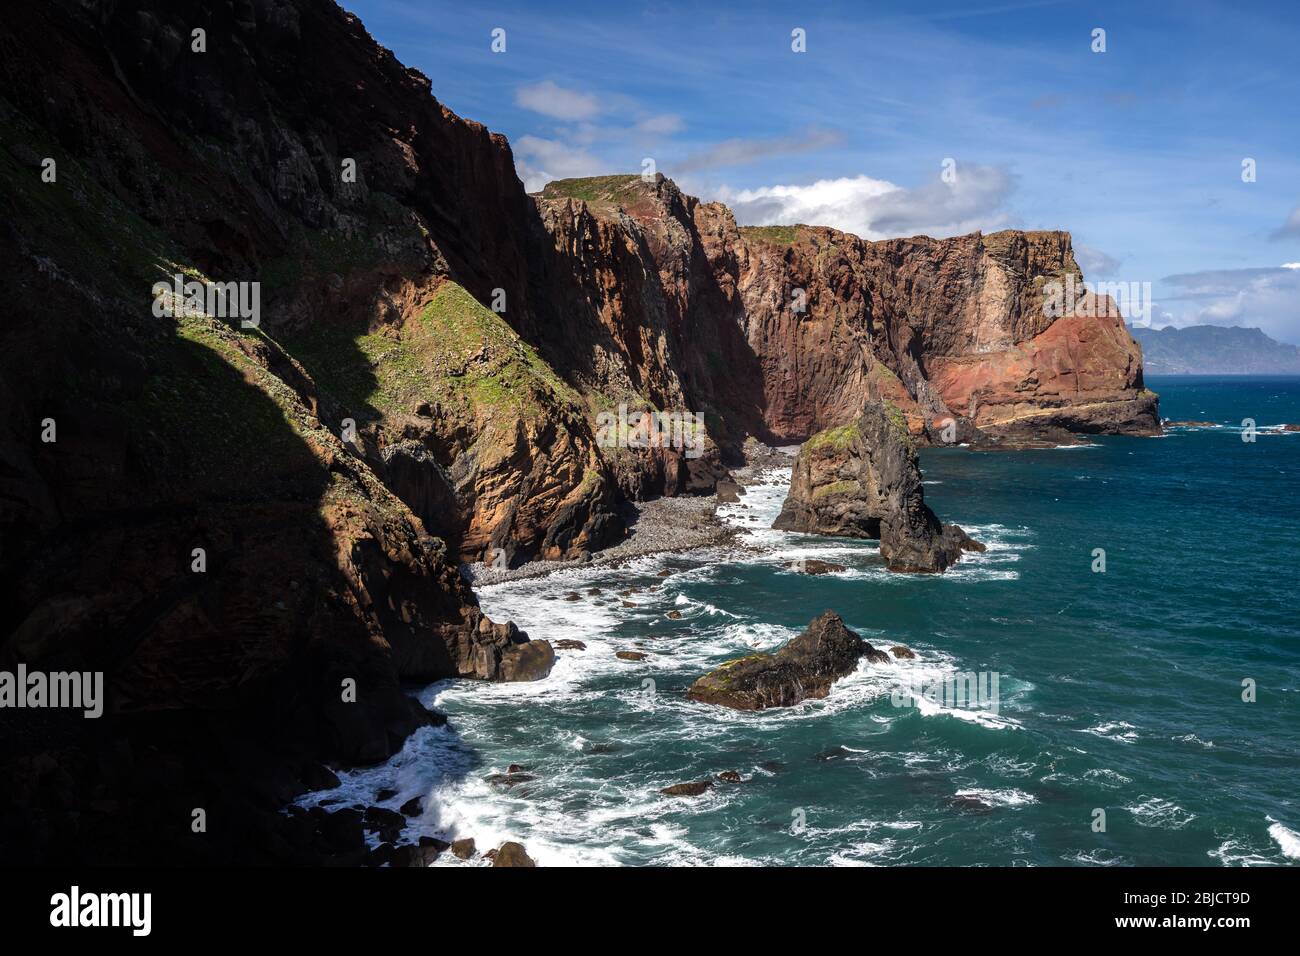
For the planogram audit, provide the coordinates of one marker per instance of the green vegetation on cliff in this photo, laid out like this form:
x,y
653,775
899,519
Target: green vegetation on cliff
x,y
593,188
777,235
456,353
833,437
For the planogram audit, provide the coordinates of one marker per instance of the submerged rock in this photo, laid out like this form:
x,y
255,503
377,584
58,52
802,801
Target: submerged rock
x,y
898,650
815,566
507,781
862,480
630,655
804,668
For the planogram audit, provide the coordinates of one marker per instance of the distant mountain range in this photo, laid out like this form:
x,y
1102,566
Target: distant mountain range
x,y
1215,350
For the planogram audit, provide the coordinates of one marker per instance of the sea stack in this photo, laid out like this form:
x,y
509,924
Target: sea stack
x,y
862,480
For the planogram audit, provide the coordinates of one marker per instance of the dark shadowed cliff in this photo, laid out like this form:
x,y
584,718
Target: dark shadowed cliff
x,y
233,523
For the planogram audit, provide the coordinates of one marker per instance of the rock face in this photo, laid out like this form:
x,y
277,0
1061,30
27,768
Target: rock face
x,y
804,668
240,524
862,481
205,529
964,329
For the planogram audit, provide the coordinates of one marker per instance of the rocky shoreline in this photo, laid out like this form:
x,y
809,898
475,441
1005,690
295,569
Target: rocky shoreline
x,y
659,526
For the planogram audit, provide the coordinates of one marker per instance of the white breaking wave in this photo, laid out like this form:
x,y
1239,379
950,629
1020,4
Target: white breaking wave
x,y
1120,730
998,798
1287,840
1160,814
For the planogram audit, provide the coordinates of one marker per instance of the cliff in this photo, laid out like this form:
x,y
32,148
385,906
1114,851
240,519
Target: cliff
x,y
235,522
784,331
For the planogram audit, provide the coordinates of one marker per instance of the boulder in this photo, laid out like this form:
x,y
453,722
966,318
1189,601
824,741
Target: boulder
x,y
631,655
728,491
463,849
512,854
531,660
413,856
688,789
898,650
804,668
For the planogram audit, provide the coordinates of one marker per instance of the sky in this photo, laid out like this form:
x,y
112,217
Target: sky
x,y
1172,155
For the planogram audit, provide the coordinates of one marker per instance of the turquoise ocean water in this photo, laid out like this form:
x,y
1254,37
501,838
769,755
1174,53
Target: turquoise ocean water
x,y
1118,691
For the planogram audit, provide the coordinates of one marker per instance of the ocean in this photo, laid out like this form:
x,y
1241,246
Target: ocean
x,y
1121,734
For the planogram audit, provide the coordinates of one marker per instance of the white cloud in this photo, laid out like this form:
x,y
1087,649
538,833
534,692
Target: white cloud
x,y
555,101
538,161
877,209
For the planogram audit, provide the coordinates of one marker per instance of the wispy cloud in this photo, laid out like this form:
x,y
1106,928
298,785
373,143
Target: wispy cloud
x,y
1289,229
1094,262
739,152
556,101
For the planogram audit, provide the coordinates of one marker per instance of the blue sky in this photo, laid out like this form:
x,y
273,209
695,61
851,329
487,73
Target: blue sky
x,y
1137,151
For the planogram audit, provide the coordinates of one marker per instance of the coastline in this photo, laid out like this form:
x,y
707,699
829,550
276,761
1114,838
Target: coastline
x,y
660,525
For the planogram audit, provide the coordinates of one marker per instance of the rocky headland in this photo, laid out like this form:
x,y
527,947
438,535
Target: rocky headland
x,y
255,531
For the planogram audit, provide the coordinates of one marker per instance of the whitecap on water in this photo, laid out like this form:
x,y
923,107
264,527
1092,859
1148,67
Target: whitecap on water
x,y
997,798
1119,730
1238,853
1160,814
